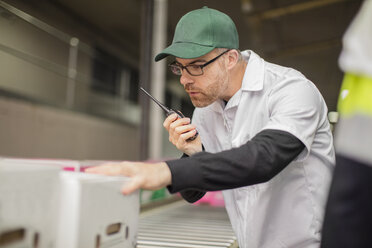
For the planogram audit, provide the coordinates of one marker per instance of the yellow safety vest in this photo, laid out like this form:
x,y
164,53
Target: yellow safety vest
x,y
355,96
353,136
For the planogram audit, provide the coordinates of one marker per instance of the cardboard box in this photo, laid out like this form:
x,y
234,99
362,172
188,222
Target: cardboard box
x,y
29,196
94,213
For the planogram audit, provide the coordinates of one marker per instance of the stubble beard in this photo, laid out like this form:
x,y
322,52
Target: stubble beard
x,y
213,92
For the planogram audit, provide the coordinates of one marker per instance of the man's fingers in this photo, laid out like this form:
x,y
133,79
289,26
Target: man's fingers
x,y
184,129
108,169
98,169
141,175
179,122
187,135
170,119
131,186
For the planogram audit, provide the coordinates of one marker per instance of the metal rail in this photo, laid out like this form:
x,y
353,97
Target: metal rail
x,y
183,225
62,36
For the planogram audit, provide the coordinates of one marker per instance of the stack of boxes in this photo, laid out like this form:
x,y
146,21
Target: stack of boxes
x,y
28,205
44,206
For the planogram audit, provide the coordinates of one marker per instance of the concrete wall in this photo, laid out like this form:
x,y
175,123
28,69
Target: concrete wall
x,y
34,66
24,50
39,131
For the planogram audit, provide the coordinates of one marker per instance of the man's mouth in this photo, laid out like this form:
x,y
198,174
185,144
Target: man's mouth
x,y
193,93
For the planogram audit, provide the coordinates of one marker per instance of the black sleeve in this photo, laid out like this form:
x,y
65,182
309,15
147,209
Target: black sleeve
x,y
257,161
189,194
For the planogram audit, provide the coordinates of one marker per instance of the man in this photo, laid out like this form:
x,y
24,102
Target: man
x,y
348,220
264,131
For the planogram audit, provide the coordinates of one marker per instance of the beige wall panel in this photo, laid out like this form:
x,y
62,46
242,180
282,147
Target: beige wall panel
x,y
32,130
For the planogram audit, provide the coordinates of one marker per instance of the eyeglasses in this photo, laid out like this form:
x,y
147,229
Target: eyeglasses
x,y
194,70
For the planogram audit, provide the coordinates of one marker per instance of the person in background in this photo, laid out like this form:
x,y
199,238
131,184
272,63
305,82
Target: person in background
x,y
263,137
348,219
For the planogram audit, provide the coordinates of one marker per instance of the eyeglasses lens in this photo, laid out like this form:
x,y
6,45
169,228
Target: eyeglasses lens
x,y
176,69
194,70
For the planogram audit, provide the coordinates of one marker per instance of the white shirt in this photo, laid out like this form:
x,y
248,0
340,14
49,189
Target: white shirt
x,y
287,211
356,55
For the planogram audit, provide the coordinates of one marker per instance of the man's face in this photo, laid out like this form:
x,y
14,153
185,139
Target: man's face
x,y
208,87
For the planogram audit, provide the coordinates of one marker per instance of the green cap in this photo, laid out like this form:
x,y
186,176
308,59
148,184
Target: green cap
x,y
199,32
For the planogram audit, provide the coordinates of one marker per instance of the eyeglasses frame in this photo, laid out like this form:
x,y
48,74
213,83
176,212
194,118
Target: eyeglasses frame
x,y
201,66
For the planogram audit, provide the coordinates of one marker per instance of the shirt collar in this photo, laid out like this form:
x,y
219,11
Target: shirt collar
x,y
254,72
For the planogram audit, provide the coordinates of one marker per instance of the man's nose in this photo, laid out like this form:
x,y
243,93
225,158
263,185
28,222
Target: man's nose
x,y
185,78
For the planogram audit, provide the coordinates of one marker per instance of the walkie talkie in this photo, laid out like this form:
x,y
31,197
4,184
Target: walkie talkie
x,y
169,111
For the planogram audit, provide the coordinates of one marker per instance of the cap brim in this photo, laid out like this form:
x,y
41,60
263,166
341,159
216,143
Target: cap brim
x,y
184,51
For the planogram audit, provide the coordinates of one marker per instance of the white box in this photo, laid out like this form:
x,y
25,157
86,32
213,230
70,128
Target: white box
x,y
65,164
28,205
94,213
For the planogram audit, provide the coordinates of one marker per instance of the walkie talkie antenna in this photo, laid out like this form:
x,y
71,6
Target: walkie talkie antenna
x,y
167,110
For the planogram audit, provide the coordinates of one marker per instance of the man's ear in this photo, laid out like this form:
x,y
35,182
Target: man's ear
x,y
233,57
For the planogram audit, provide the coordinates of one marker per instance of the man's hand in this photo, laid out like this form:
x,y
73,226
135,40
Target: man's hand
x,y
149,176
181,130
